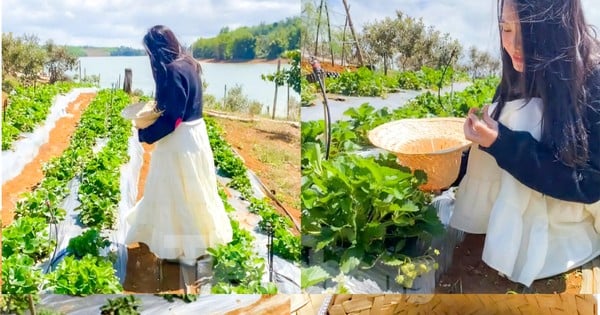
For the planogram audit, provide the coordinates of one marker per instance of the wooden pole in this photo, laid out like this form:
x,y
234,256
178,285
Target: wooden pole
x,y
80,78
360,56
344,42
127,81
329,32
318,27
288,101
225,97
276,86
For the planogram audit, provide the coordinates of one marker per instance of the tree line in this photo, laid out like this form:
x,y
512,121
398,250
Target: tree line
x,y
24,59
400,42
267,41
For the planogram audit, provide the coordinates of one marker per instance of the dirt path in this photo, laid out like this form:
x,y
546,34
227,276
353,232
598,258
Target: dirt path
x,y
469,274
59,139
272,152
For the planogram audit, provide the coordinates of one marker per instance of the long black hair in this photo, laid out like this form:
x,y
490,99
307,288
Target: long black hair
x,y
163,48
560,50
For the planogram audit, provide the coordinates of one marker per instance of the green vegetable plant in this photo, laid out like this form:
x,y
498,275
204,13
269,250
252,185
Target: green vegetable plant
x,y
89,275
27,236
20,283
125,305
90,242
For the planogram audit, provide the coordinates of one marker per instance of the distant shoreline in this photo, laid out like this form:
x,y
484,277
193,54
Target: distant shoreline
x,y
250,61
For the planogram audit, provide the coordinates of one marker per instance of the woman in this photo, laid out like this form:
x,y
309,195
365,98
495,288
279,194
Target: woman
x,y
532,183
181,213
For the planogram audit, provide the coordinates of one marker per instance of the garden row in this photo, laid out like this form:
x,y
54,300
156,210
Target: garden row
x,y
28,244
364,82
237,268
360,211
28,107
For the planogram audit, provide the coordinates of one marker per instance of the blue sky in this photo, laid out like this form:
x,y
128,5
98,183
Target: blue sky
x,y
124,22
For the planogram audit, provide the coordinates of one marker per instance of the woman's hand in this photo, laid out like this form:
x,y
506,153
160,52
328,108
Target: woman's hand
x,y
483,132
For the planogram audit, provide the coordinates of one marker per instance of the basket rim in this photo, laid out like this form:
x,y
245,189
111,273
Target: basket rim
x,y
140,111
464,142
440,152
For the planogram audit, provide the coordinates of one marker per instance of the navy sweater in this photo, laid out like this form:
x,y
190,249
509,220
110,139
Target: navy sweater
x,y
180,99
535,165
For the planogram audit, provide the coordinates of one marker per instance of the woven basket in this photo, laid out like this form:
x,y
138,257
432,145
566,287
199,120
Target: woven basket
x,y
463,304
142,114
433,145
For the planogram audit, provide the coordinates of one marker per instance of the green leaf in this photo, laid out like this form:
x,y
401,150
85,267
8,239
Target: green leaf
x,y
312,276
351,259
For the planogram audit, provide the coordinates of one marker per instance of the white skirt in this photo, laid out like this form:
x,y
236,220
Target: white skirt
x,y
181,213
529,235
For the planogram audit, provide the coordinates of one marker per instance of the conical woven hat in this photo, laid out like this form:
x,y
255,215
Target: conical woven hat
x,y
433,145
143,114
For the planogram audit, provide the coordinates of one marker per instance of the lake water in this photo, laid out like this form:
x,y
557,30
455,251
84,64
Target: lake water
x,y
217,75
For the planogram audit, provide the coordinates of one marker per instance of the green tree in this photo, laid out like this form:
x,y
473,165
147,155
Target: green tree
x,y
59,61
276,48
243,44
205,48
22,57
481,64
382,39
290,76
410,42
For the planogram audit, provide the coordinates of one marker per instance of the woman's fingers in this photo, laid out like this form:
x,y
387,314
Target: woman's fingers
x,y
469,129
487,119
483,132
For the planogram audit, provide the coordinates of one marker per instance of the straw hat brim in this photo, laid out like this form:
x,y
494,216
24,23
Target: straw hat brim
x,y
433,145
143,114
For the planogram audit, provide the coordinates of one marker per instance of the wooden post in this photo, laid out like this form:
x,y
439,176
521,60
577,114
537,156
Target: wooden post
x,y
80,78
344,42
275,99
288,102
127,81
224,97
329,32
318,26
4,106
360,56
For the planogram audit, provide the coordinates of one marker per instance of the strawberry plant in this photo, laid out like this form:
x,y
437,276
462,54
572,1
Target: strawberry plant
x,y
89,275
27,236
20,281
125,305
90,242
285,244
361,210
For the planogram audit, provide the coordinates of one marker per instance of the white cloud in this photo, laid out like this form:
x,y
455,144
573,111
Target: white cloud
x,y
124,22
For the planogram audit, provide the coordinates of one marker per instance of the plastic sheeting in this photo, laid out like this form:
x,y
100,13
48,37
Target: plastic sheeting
x,y
130,173
150,304
26,149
